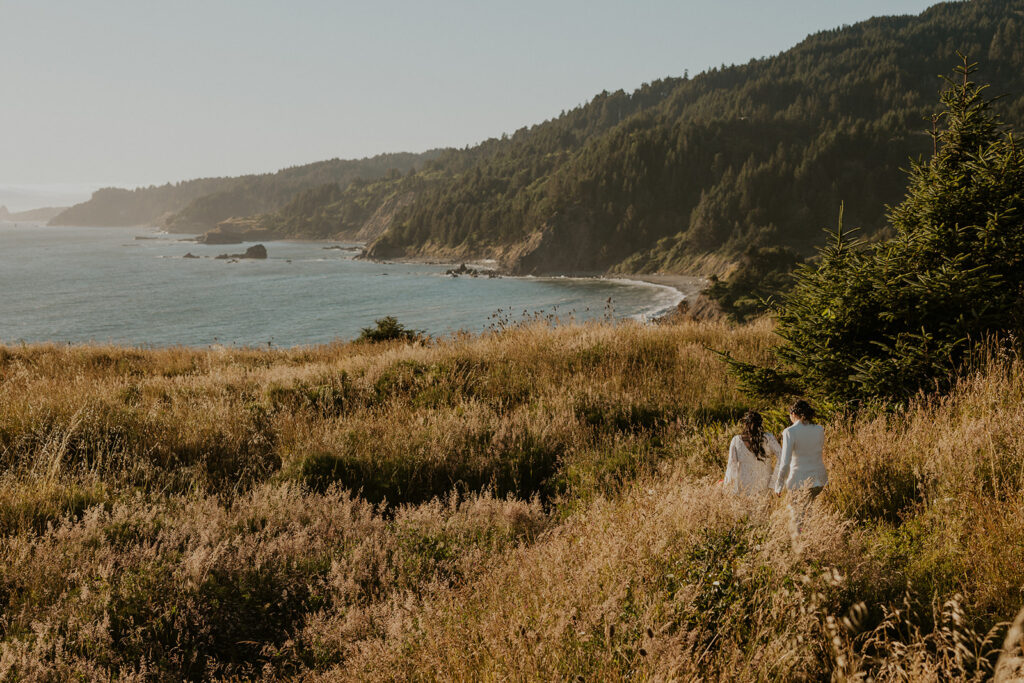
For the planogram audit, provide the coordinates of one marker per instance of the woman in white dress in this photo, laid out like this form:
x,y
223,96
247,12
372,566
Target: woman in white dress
x,y
749,469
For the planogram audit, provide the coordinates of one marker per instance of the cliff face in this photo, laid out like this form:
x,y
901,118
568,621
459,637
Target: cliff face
x,y
117,207
570,248
381,219
368,226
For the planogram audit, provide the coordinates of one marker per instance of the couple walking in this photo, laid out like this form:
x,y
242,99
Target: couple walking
x,y
799,463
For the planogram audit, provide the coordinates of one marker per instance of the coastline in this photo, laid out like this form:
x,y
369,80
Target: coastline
x,y
687,285
683,287
670,290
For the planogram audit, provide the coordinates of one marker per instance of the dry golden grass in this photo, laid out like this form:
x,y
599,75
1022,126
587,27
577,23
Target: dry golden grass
x,y
532,504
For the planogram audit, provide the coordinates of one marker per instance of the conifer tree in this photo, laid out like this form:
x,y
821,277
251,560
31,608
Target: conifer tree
x,y
904,316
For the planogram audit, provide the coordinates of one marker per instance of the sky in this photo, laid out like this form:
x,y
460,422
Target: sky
x,y
138,92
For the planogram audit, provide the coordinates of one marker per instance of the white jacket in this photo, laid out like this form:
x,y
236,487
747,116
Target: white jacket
x,y
801,464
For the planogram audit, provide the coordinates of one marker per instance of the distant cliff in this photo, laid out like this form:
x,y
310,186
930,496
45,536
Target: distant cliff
x,y
199,205
113,206
40,215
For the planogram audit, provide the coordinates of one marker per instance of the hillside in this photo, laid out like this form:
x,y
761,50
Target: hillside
x,y
186,514
758,154
361,211
368,210
31,215
199,205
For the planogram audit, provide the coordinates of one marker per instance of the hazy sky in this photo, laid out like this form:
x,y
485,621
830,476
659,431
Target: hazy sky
x,y
145,91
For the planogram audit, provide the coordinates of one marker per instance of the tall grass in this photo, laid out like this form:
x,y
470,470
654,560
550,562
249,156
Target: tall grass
x,y
534,503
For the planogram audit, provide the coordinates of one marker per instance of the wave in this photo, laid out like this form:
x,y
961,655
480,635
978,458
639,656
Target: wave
x,y
668,298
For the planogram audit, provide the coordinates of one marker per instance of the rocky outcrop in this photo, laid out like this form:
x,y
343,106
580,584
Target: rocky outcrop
x,y
257,251
379,222
463,269
569,248
697,307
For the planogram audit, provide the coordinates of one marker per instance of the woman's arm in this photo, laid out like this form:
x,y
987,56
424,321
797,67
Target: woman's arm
x,y
782,469
773,445
732,468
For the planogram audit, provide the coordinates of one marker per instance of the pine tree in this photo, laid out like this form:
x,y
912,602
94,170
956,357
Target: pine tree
x,y
904,316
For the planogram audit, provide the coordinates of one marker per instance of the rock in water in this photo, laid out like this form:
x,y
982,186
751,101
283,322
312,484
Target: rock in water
x,y
255,251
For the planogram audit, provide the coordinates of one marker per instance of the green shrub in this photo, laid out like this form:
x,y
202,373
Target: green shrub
x,y
389,329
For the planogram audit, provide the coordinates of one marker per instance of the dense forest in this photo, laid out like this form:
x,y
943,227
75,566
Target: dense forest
x,y
199,205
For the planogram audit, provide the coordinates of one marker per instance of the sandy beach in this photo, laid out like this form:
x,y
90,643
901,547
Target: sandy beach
x,y
688,285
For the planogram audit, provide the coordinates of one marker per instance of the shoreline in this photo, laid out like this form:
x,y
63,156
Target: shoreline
x,y
686,288
666,290
687,285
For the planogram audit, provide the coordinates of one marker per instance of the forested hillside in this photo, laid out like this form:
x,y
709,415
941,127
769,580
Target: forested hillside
x,y
117,206
331,210
756,154
361,208
683,174
41,214
198,205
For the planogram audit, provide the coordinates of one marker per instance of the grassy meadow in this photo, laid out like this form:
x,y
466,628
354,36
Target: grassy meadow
x,y
535,503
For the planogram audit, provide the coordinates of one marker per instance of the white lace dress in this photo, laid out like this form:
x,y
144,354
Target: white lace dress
x,y
745,473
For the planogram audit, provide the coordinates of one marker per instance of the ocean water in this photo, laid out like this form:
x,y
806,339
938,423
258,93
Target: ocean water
x,y
102,285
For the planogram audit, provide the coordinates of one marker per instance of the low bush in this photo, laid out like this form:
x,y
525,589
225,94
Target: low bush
x,y
388,329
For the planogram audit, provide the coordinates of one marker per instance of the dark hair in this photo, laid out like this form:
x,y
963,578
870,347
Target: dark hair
x,y
753,434
803,410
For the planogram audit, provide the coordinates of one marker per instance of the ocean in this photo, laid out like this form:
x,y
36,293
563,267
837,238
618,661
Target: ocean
x,y
67,284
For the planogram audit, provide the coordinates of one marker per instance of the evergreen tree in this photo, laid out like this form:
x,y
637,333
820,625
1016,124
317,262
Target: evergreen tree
x,y
905,315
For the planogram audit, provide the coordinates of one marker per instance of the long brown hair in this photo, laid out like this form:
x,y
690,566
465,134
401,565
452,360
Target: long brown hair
x,y
753,434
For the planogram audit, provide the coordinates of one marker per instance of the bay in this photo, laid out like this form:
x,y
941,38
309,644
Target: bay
x,y
66,284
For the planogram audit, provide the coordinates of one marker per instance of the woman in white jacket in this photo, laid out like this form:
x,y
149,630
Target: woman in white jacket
x,y
801,464
749,468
